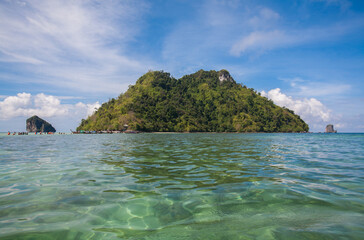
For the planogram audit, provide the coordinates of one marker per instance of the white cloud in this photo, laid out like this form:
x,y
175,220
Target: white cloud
x,y
310,110
26,105
90,108
72,44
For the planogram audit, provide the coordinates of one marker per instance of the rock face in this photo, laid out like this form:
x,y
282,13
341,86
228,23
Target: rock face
x,y
36,124
330,129
224,75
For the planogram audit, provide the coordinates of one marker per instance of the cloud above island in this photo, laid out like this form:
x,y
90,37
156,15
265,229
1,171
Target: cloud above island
x,y
27,105
311,110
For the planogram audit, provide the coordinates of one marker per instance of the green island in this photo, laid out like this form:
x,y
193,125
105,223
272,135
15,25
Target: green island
x,y
206,101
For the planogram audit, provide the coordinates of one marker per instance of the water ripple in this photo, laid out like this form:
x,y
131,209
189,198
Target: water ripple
x,y
182,186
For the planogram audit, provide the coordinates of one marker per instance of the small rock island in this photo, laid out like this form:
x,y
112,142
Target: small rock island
x,y
36,124
330,129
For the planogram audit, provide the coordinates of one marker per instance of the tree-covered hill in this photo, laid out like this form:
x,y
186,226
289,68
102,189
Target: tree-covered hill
x,y
206,101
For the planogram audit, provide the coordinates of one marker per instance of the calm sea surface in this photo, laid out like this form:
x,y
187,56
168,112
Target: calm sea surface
x,y
182,186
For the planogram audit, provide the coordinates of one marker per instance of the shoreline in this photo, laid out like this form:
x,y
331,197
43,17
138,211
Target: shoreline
x,y
135,132
131,132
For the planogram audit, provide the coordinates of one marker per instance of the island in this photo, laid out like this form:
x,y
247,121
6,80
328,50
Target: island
x,y
330,129
36,124
205,101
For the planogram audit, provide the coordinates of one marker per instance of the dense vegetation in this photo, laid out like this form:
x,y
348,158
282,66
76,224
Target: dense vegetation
x,y
206,101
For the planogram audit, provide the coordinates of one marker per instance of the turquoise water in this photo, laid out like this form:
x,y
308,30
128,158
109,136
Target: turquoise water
x,y
182,186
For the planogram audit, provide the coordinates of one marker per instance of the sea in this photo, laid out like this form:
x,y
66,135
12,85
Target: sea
x,y
182,186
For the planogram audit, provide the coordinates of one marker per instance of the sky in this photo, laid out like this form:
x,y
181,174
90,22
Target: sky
x,y
61,59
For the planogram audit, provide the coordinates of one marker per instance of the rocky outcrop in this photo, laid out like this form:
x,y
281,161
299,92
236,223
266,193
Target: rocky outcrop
x,y
36,124
330,129
224,75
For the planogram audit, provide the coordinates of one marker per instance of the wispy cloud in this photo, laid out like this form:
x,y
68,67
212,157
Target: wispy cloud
x,y
77,43
343,4
241,29
260,41
323,89
263,18
205,38
264,31
305,88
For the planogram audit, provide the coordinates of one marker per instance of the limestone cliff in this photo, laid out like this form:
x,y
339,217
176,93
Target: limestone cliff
x,y
224,75
36,124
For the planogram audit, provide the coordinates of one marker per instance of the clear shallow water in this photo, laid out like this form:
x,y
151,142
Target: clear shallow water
x,y
182,186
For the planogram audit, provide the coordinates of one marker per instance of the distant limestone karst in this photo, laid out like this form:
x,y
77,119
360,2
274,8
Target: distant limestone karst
x,y
330,129
36,124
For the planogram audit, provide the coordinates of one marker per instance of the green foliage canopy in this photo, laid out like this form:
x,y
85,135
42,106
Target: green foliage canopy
x,y
206,101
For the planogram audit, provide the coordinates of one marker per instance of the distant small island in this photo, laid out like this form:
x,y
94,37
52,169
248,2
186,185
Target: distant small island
x,y
36,124
206,101
330,129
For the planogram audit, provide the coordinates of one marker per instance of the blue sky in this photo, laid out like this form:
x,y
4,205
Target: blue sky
x,y
62,59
